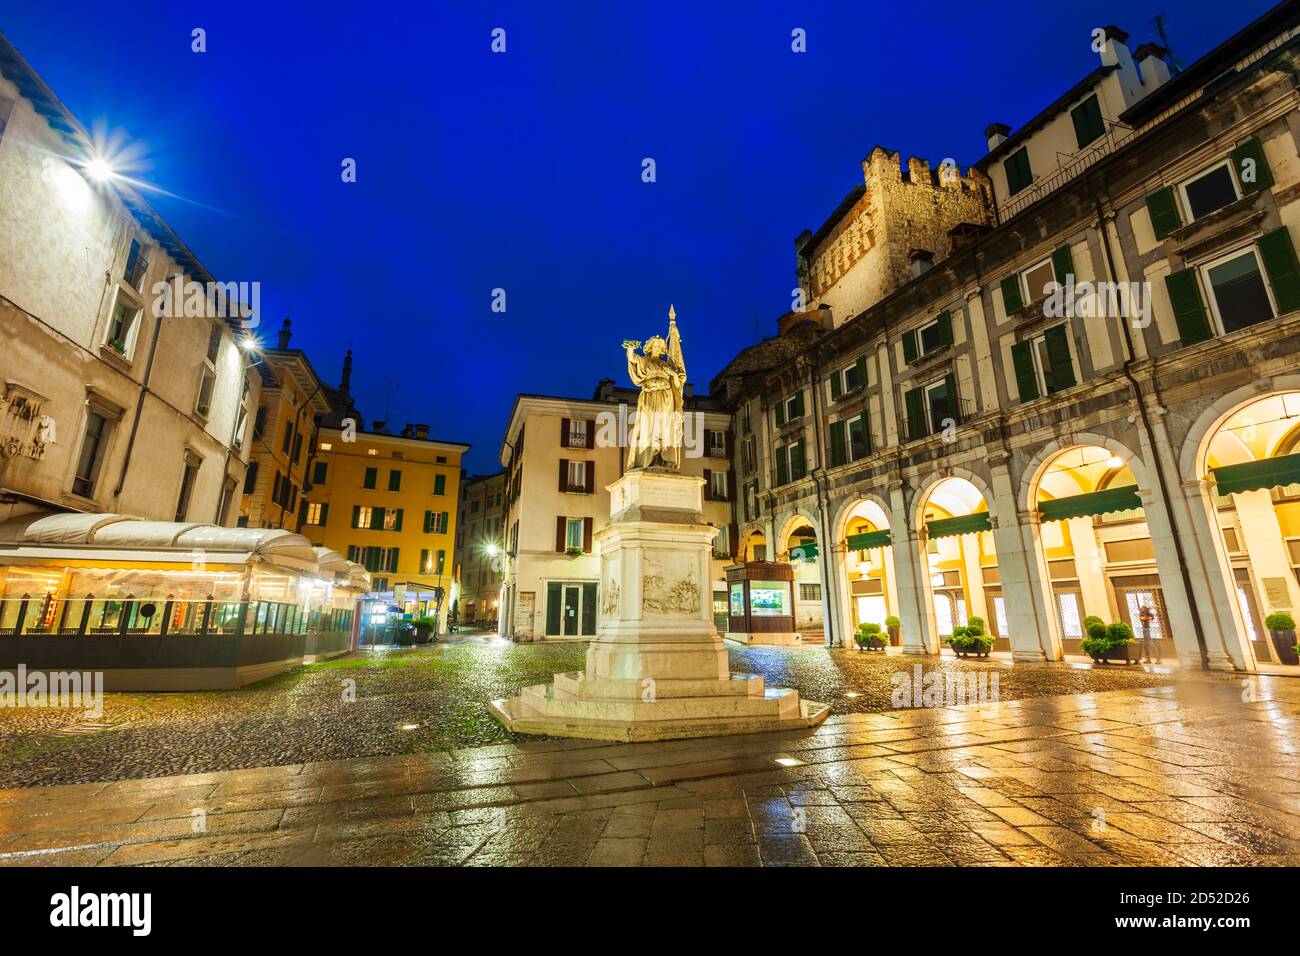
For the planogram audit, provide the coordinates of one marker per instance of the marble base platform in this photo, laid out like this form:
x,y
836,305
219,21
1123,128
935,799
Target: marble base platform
x,y
657,668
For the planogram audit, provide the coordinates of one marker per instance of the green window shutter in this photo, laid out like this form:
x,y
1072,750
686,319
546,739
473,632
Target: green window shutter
x,y
836,435
836,386
424,560
324,514
1164,212
1249,160
1189,310
782,466
356,516
1088,124
1016,167
302,510
797,467
318,473
1011,298
798,404
914,403
1062,263
394,480
950,392
780,413
1058,351
397,525
553,607
428,521
945,328
439,484
1279,257
1026,381
910,350
445,525
377,519
861,363
442,560
372,475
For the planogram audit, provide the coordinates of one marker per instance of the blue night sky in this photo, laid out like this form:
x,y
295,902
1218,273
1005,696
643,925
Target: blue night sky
x,y
522,171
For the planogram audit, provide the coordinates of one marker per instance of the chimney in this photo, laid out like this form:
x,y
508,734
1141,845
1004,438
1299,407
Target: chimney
x,y
422,432
408,430
378,426
996,134
285,333
345,384
921,259
1114,46
1152,64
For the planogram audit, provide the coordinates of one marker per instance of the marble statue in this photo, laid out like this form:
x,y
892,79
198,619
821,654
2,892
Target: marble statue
x,y
660,372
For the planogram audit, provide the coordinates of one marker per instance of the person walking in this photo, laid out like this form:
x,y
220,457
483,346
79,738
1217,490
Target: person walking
x,y
1150,646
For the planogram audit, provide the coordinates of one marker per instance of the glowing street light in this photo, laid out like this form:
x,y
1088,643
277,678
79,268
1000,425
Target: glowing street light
x,y
100,170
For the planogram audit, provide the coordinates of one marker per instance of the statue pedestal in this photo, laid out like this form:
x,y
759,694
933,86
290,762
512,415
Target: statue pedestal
x,y
657,669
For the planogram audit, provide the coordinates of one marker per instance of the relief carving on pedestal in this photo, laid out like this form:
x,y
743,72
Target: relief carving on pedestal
x,y
609,606
671,591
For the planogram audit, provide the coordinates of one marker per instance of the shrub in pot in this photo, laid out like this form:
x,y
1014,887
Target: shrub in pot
x,y
1281,627
1106,642
424,628
894,626
869,638
970,639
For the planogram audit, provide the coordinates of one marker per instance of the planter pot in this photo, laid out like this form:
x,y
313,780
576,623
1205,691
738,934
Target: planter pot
x,y
423,633
1119,655
1284,646
875,644
973,651
894,638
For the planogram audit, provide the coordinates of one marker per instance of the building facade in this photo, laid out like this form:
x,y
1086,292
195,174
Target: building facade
x,y
112,400
560,455
480,548
389,503
1088,408
293,401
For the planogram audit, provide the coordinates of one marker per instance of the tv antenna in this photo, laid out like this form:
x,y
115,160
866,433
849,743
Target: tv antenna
x,y
1159,21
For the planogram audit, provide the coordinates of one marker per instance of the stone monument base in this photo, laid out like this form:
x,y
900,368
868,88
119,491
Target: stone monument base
x,y
657,669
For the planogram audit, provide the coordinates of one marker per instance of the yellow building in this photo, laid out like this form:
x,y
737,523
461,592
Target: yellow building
x,y
389,503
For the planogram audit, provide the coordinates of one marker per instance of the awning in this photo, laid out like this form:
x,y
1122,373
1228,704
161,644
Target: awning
x,y
868,539
1257,475
963,524
1123,498
804,552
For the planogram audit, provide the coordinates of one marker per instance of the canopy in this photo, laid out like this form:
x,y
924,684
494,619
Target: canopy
x,y
1257,475
1123,498
868,539
804,552
963,524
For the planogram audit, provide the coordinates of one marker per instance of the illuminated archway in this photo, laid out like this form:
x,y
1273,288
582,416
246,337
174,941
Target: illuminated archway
x,y
959,570
753,545
798,544
869,586
1251,459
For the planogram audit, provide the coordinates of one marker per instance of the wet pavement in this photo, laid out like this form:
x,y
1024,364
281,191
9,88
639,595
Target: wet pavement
x,y
425,700
1200,772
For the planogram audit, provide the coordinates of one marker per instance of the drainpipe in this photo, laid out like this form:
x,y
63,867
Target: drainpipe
x,y
822,509
1157,465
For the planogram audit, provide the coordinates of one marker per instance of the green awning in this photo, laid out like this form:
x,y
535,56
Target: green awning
x,y
868,539
963,524
804,552
1256,475
1102,502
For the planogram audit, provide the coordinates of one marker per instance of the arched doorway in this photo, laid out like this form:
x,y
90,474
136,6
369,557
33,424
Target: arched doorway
x,y
868,566
1096,546
960,568
753,545
1252,462
798,545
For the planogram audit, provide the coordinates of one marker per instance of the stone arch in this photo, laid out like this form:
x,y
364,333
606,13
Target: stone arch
x,y
1196,444
847,506
916,507
795,519
1026,498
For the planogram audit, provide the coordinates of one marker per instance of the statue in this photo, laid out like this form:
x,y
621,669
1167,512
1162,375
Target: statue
x,y
660,372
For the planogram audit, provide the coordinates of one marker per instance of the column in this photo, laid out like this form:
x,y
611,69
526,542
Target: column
x,y
912,580
1031,619
839,605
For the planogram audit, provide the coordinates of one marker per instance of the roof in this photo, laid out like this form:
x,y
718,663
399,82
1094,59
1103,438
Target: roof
x,y
114,534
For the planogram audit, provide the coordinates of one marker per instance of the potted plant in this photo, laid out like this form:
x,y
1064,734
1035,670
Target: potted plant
x,y
969,640
424,628
869,638
1281,628
1106,643
118,346
573,552
894,626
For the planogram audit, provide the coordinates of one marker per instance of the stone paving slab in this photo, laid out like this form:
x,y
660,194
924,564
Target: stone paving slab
x,y
1189,774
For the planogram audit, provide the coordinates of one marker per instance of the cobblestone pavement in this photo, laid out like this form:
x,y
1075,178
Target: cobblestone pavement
x,y
1201,772
419,701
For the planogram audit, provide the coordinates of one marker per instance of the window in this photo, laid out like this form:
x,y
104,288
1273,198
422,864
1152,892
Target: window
x,y
123,324
846,379
1038,279
721,546
394,480
859,442
241,420
788,409
577,474
287,442
227,497
439,484
751,501
393,519
751,455
718,486
92,455
371,478
1208,191
929,407
939,404
318,472
934,335
810,592
790,464
1088,124
433,562
250,478
1042,364
573,533
435,522
326,446
1238,294
576,433
717,443
137,263
189,473
1068,614
1017,170
362,516
848,440
208,373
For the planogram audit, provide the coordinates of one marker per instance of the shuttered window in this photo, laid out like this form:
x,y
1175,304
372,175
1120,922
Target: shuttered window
x,y
1251,167
1189,309
1088,124
1278,253
835,436
1163,210
1012,300
1017,169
